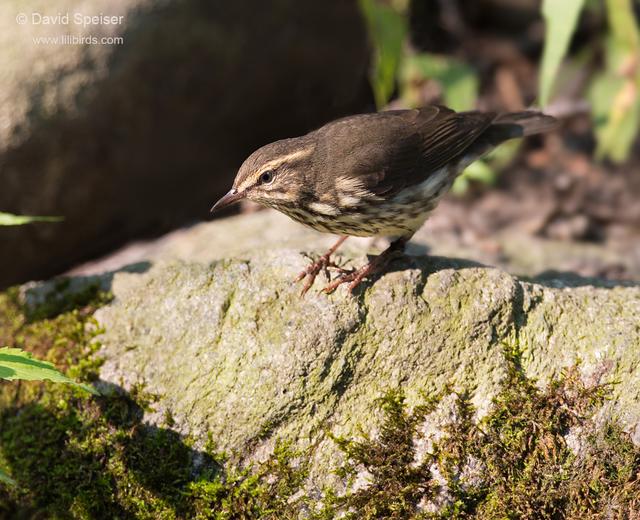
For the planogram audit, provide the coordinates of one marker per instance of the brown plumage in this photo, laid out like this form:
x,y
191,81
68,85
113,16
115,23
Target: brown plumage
x,y
373,174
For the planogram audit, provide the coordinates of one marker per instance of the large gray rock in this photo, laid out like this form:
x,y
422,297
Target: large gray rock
x,y
231,348
135,137
511,250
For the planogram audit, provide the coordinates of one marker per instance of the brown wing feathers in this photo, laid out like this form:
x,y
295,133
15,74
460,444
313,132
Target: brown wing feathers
x,y
412,144
450,135
447,136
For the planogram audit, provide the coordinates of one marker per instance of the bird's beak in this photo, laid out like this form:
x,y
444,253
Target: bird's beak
x,y
230,198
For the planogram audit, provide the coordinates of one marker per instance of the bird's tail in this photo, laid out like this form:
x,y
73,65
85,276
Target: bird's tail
x,y
510,126
522,124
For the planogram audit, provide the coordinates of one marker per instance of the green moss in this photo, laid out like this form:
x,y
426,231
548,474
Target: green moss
x,y
516,463
62,297
59,330
77,456
396,484
269,490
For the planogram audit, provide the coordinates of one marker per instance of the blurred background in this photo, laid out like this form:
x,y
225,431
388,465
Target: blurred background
x,y
129,118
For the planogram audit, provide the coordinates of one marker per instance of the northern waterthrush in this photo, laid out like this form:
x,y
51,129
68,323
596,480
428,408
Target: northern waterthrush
x,y
377,174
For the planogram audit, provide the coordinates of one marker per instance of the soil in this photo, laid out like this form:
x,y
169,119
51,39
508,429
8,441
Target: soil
x,y
555,189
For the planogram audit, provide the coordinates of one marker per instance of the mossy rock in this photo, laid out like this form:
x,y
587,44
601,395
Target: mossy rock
x,y
234,344
197,360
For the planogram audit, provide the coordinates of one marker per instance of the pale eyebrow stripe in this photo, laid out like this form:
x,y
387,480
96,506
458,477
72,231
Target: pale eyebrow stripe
x,y
274,163
281,160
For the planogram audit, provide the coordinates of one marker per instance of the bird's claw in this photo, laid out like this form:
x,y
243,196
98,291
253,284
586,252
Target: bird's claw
x,y
322,264
353,278
356,276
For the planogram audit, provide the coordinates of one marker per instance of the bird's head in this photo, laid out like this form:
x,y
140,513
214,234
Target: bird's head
x,y
273,175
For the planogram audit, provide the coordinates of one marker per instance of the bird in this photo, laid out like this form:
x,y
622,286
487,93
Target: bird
x,y
373,174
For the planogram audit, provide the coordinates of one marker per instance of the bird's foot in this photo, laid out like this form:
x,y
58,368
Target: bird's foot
x,y
374,266
322,264
356,277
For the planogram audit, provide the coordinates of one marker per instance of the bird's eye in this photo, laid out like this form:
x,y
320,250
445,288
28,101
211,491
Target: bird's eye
x,y
266,177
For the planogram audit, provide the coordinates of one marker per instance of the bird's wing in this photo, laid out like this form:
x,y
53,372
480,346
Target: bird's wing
x,y
403,148
446,135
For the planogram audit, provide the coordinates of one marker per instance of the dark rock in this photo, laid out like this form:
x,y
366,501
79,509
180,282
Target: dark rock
x,y
135,139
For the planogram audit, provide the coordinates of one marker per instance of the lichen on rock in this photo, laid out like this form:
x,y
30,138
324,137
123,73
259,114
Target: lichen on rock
x,y
233,343
201,359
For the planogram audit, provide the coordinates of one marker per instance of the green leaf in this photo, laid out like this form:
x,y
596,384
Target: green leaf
x,y
622,23
7,219
460,185
500,157
387,30
616,119
479,171
561,17
614,93
460,87
459,81
6,478
18,364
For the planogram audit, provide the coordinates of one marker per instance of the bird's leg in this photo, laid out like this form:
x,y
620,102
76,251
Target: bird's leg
x,y
321,264
375,265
